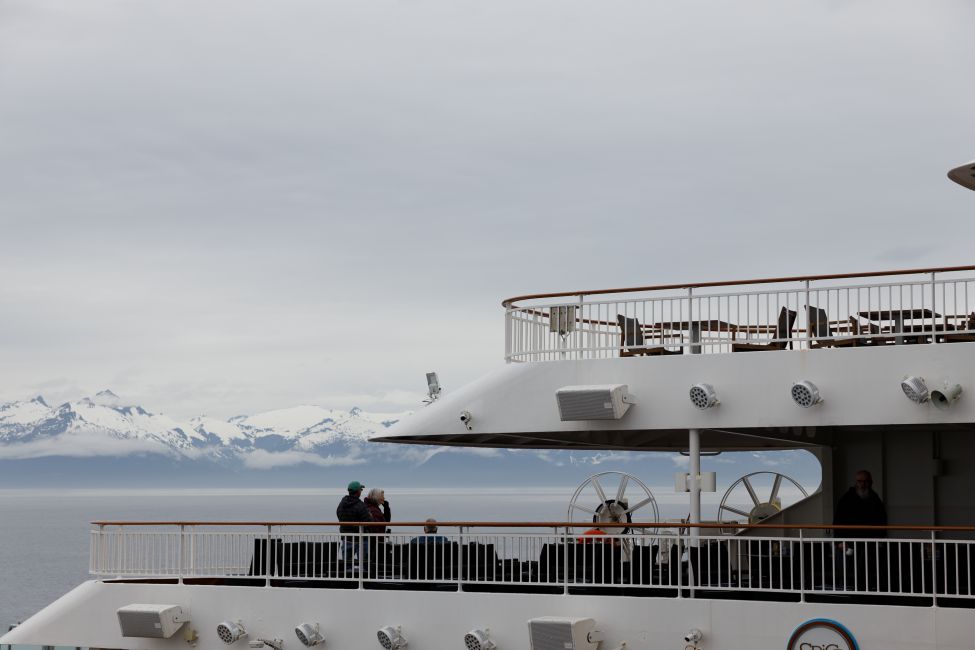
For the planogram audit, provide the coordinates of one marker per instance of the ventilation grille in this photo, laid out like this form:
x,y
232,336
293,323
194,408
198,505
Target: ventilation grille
x,y
551,635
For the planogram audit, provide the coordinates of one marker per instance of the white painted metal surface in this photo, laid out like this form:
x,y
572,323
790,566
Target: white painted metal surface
x,y
435,620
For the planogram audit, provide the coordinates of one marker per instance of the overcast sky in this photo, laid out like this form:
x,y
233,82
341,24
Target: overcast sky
x,y
232,206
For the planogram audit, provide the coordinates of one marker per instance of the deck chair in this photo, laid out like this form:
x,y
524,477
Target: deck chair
x,y
869,329
963,338
631,337
819,326
783,330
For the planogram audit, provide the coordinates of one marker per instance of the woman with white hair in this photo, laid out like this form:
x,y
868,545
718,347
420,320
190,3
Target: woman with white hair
x,y
378,506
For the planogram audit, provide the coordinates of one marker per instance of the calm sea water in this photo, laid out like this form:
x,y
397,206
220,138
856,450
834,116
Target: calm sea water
x,y
44,534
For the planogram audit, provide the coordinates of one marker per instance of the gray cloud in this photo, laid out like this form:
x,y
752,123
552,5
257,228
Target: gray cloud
x,y
235,206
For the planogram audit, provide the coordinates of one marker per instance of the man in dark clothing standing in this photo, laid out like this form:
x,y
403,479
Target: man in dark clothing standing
x,y
861,505
857,562
351,508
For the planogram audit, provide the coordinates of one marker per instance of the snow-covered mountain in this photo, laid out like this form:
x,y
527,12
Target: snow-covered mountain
x,y
103,441
103,425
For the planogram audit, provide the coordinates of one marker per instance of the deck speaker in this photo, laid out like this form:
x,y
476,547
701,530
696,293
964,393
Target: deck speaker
x,y
943,398
603,402
151,621
558,633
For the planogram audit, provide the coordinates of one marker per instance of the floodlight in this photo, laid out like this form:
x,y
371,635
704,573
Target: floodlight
x,y
805,394
433,386
391,638
703,396
309,635
915,389
943,398
478,640
230,632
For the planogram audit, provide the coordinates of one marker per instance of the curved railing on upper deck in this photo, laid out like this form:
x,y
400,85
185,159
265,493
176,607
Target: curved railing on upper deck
x,y
910,565
925,305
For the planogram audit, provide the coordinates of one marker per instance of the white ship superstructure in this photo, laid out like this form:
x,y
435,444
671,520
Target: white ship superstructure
x,y
866,371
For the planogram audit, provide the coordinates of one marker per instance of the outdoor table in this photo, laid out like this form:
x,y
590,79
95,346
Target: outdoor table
x,y
695,328
897,317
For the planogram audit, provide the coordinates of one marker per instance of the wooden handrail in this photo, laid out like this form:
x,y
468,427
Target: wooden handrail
x,y
541,524
509,302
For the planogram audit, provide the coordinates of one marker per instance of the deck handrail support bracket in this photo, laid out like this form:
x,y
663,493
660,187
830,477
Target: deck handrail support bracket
x,y
267,557
460,558
565,561
182,544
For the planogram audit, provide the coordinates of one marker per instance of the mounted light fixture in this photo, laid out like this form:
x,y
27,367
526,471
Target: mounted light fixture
x,y
805,394
478,640
230,632
433,387
915,389
943,398
703,396
391,638
309,635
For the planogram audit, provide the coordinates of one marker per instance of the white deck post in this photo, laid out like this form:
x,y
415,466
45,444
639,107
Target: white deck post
x,y
694,452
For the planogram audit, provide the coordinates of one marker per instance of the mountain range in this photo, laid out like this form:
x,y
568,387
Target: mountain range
x,y
103,441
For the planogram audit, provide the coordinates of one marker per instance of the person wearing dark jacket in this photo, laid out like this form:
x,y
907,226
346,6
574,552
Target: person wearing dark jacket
x,y
379,512
351,508
378,506
857,562
860,505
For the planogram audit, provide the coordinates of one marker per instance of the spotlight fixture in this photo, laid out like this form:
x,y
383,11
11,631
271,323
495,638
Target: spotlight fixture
x,y
703,396
478,640
309,635
805,394
391,638
693,636
433,387
943,398
915,389
230,632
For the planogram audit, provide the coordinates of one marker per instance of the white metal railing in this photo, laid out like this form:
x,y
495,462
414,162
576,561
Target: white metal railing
x,y
920,306
919,564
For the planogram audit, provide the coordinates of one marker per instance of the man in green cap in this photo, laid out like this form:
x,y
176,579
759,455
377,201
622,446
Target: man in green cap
x,y
351,508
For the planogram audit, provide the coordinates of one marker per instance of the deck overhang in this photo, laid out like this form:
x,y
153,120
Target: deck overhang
x,y
516,406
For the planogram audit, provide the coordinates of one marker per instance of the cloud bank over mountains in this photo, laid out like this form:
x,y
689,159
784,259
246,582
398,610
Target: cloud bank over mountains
x,y
103,440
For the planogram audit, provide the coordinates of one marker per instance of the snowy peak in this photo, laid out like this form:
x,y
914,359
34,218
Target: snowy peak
x,y
305,432
106,398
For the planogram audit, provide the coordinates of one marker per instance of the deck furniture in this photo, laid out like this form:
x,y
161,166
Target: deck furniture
x,y
694,329
820,328
965,337
632,341
783,331
897,319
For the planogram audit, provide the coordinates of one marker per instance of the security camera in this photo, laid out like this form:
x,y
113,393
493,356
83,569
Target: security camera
x,y
466,417
694,636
